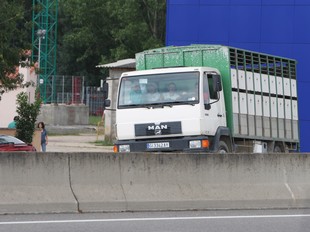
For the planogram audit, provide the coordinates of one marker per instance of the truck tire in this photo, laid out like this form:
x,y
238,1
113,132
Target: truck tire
x,y
222,148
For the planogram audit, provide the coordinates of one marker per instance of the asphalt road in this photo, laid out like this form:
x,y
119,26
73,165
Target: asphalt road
x,y
189,221
76,143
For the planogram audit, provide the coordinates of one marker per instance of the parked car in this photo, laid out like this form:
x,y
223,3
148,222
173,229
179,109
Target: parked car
x,y
11,143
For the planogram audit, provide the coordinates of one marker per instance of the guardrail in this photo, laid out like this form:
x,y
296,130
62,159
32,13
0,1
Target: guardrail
x,y
99,182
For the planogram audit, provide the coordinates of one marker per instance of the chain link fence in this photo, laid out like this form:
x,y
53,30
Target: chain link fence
x,y
72,90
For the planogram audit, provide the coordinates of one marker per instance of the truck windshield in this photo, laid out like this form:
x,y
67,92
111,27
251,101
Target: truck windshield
x,y
159,89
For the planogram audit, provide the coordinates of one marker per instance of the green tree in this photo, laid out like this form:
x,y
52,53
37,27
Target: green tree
x,y
139,25
15,29
84,34
28,113
101,31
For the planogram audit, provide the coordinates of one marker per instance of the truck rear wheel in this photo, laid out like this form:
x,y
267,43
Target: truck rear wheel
x,y
222,148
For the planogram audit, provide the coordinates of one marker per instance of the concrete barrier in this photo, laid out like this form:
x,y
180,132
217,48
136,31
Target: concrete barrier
x,y
97,182
123,182
35,183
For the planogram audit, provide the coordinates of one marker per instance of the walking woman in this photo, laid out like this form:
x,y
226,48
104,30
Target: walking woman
x,y
44,138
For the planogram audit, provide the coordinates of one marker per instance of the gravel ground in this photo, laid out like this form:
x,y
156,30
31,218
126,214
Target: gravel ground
x,y
76,143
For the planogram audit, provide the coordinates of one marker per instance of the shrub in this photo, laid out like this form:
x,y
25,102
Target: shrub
x,y
28,113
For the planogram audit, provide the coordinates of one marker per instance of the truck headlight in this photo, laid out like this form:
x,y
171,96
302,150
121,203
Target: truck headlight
x,y
199,143
124,148
195,144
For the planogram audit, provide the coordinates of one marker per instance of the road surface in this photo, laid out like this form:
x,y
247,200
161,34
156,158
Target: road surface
x,y
185,221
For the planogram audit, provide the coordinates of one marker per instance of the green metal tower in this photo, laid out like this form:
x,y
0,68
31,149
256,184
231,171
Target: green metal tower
x,y
44,40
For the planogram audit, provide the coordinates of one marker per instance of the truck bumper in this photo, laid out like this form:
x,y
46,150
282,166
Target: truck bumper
x,y
163,145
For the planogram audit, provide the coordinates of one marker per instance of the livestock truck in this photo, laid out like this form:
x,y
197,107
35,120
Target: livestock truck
x,y
207,98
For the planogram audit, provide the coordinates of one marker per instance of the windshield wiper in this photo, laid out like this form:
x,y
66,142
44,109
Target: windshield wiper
x,y
159,104
155,105
184,103
137,105
168,104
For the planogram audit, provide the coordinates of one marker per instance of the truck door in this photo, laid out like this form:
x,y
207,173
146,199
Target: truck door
x,y
214,105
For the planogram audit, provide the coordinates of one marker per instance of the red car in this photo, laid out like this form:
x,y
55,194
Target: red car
x,y
10,143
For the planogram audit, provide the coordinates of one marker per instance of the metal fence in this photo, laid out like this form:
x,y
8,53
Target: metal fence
x,y
72,90
95,100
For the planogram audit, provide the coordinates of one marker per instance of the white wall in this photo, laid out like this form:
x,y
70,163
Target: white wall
x,y
8,100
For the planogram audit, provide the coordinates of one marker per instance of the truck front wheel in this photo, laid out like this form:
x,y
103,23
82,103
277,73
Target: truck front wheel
x,y
222,148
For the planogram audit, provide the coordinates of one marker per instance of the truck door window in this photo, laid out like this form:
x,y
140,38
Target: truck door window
x,y
212,93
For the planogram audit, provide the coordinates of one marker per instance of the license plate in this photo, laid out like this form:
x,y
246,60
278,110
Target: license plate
x,y
158,145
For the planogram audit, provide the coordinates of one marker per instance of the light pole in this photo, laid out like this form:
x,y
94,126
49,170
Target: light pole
x,y
41,34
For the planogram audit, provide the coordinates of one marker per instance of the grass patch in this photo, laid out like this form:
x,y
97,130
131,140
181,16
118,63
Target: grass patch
x,y
104,143
93,120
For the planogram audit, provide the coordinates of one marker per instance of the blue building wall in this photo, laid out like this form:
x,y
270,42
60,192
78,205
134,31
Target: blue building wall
x,y
278,27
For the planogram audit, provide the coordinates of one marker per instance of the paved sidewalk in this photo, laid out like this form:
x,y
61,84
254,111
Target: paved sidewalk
x,y
76,143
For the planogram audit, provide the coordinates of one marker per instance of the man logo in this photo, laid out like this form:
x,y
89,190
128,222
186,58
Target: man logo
x,y
157,128
157,131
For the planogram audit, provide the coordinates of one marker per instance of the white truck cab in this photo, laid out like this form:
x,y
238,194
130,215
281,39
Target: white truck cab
x,y
169,109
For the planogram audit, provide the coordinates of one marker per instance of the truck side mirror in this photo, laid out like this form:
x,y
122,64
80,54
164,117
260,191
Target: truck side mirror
x,y
207,106
217,84
107,103
105,89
